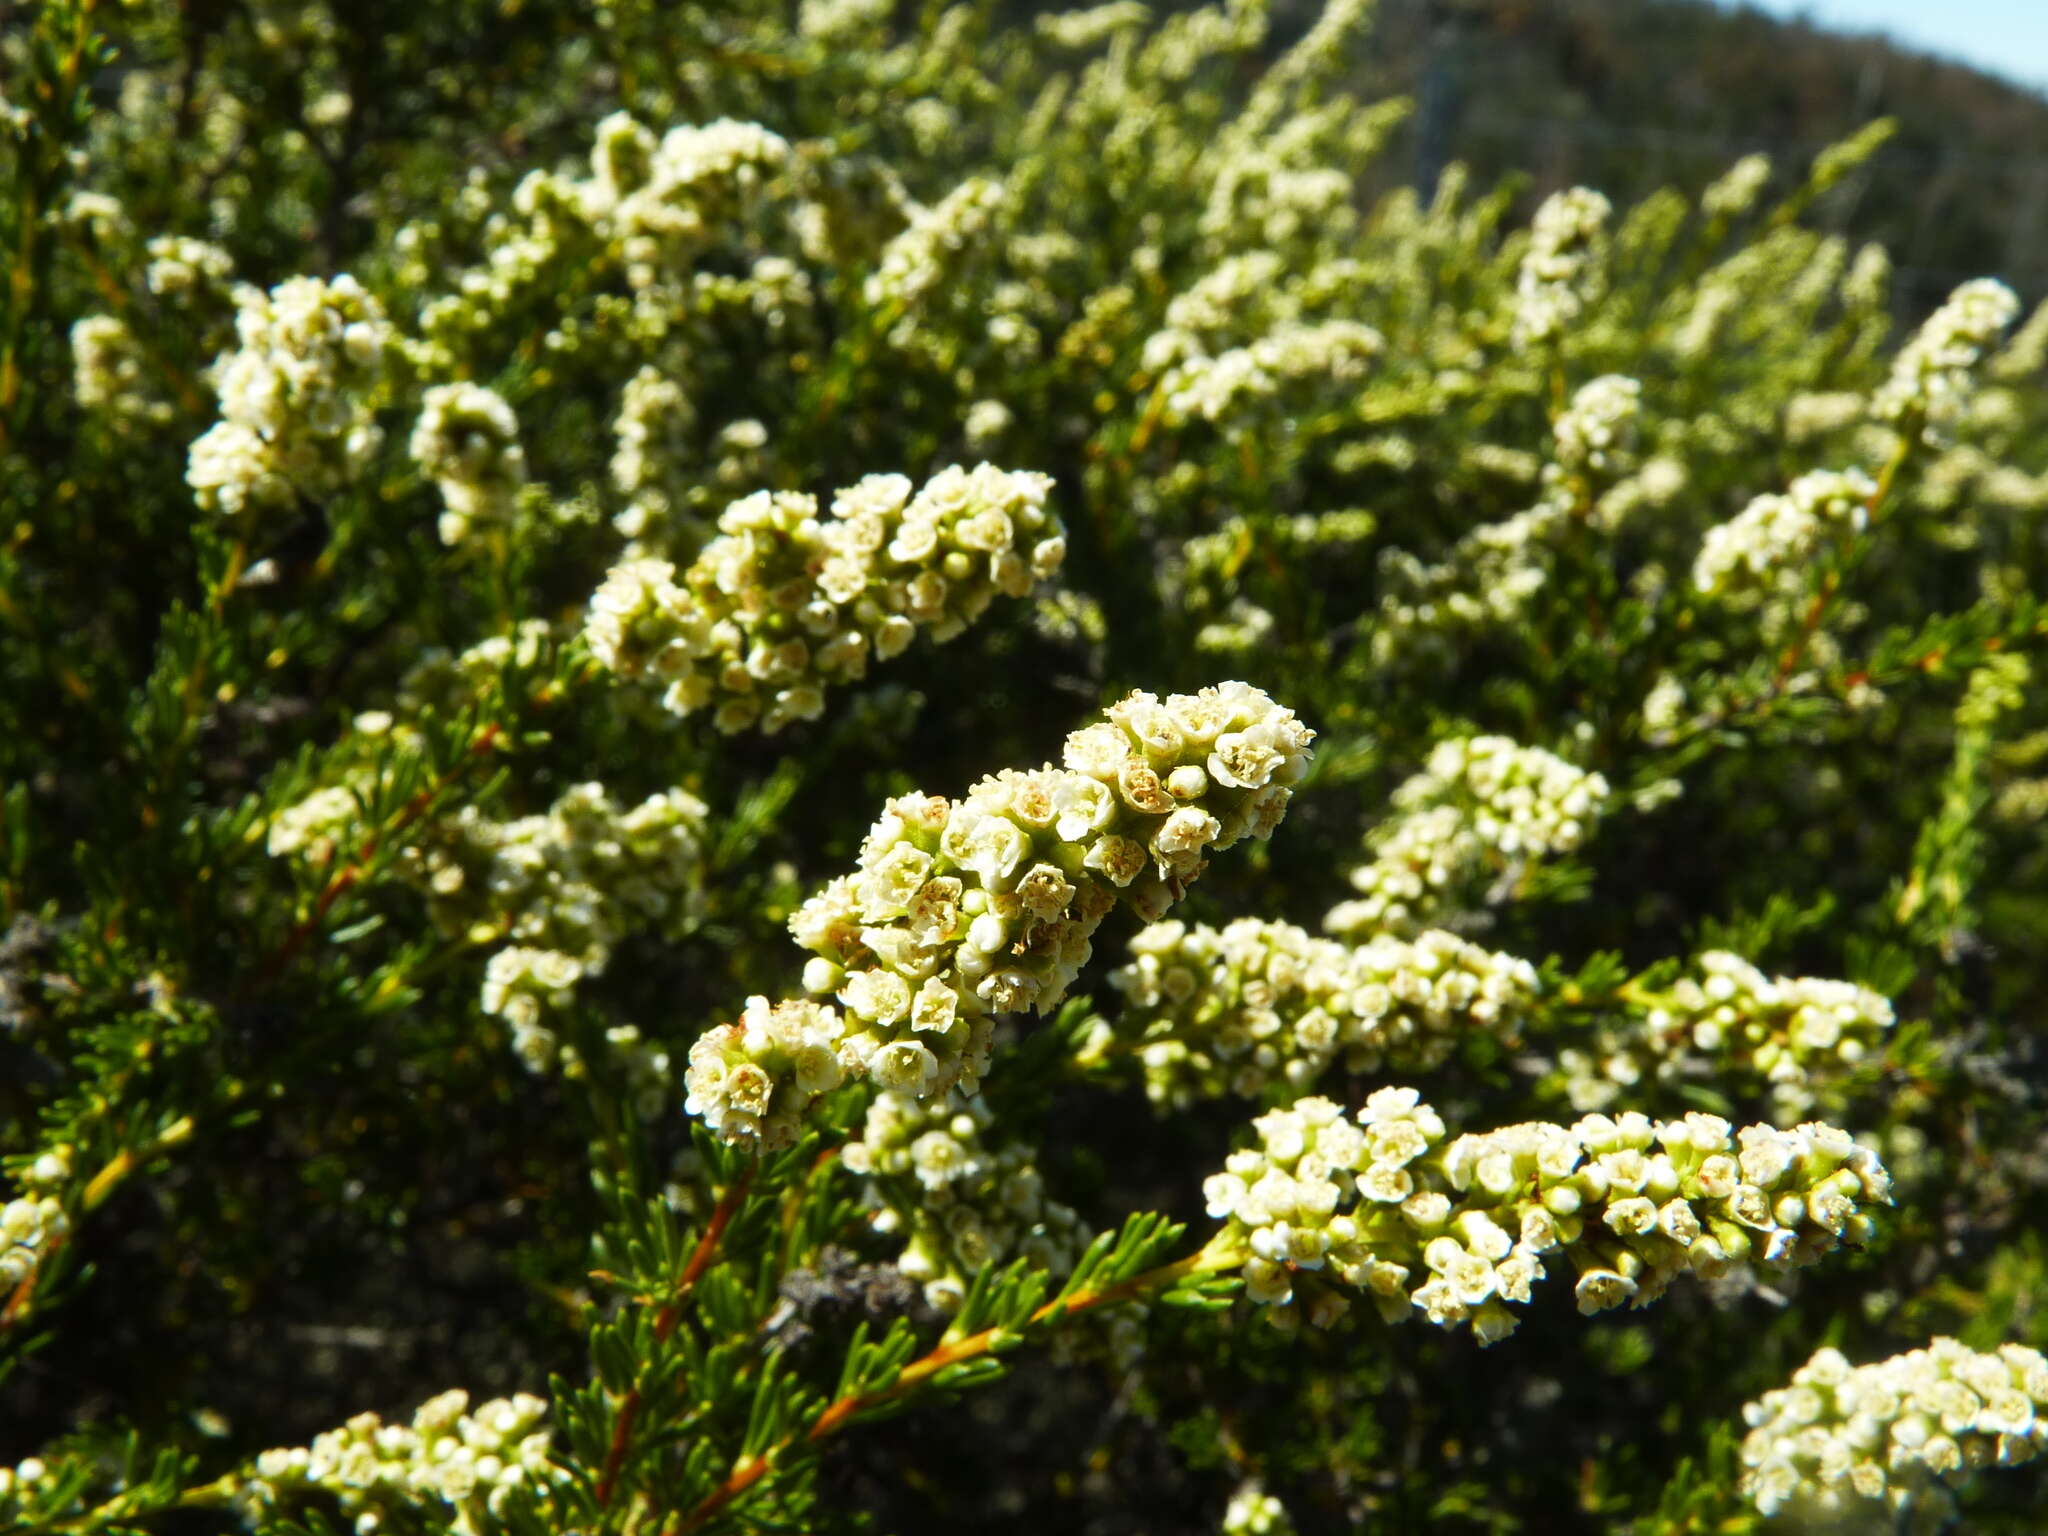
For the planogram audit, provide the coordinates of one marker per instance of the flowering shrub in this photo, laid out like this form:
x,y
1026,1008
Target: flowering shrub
x,y
541,549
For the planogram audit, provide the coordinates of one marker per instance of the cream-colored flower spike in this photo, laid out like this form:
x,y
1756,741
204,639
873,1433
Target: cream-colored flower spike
x,y
1210,1012
1840,1435
472,1461
964,910
1561,271
958,1198
784,604
1482,805
1458,1231
1770,543
30,1227
1734,1027
1934,374
296,397
467,442
917,259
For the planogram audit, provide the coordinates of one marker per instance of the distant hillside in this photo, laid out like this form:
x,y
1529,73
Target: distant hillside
x,y
1628,95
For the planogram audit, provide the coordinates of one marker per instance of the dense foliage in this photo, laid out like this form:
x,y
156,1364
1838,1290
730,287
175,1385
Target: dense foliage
x,y
543,986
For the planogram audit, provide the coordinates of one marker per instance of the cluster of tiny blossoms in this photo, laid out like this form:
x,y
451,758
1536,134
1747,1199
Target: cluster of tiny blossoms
x,y
968,909
113,374
1932,377
178,264
1597,430
467,443
1210,1012
651,206
1561,267
1772,540
558,891
565,888
663,199
472,1462
1843,1434
29,1228
1734,1027
1736,192
296,397
1217,389
1482,805
652,430
1459,1231
1254,1512
785,604
917,260
959,1202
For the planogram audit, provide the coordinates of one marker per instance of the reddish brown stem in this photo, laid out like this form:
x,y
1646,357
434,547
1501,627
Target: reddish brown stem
x,y
665,1322
749,1470
17,1303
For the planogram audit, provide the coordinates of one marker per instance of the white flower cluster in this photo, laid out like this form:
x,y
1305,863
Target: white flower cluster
x,y
1482,805
965,910
1932,376
1214,306
21,1478
179,265
919,258
1598,429
1279,202
650,208
565,888
1488,579
29,1228
1235,1010
662,200
1216,389
1560,270
1734,1028
1735,193
1458,1231
472,1462
112,374
986,423
318,827
784,604
1093,26
467,443
1812,416
754,1078
653,426
1843,1434
1254,1512
296,397
959,1202
1773,539
450,681
522,986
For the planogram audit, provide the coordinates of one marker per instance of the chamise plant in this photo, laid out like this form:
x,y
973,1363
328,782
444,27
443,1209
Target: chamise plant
x,y
856,767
